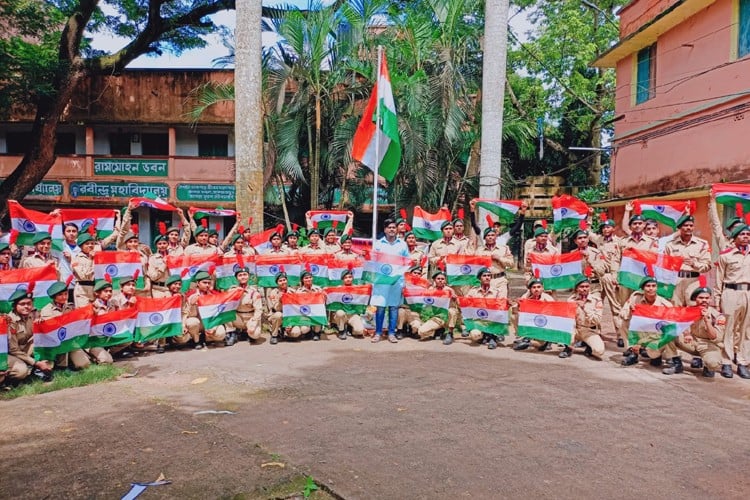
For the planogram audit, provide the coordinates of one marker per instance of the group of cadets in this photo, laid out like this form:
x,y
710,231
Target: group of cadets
x,y
719,339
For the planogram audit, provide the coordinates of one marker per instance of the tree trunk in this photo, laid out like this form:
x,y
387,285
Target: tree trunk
x,y
315,164
493,85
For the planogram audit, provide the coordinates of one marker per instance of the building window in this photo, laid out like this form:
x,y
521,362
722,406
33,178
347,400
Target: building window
x,y
743,42
119,144
213,145
17,143
155,144
66,144
646,74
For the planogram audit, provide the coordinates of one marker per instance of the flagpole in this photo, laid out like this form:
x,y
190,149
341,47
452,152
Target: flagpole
x,y
377,151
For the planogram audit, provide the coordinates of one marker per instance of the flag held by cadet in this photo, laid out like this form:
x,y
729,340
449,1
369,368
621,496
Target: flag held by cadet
x,y
664,212
219,308
158,318
568,211
12,279
26,223
350,299
113,328
486,315
547,321
504,210
656,326
428,303
427,226
637,264
304,309
3,343
64,333
461,270
557,271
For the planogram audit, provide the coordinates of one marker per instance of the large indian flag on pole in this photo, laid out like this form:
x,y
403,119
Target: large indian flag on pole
x,y
428,303
3,343
547,321
27,223
504,210
158,318
656,326
461,270
426,226
377,145
558,271
486,315
64,333
268,266
568,212
318,266
337,267
219,308
731,194
350,299
118,264
637,264
113,328
664,212
304,309
385,269
13,279
103,220
325,218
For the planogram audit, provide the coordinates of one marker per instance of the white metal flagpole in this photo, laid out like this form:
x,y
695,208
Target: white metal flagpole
x,y
377,151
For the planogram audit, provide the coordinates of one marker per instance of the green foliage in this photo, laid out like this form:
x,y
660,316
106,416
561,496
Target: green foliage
x,y
94,374
310,486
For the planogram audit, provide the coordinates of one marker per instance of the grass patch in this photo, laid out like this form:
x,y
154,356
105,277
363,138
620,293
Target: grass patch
x,y
94,374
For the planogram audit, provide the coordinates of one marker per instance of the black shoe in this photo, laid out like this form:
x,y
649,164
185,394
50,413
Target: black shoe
x,y
160,349
448,339
644,354
485,339
230,339
742,371
708,373
656,362
588,352
199,345
696,362
543,347
42,375
492,343
242,335
465,333
316,336
400,334
565,353
274,340
620,343
342,335
675,366
522,344
579,344
629,359
726,371
124,354
500,338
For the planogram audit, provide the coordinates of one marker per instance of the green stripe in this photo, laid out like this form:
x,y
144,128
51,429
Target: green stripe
x,y
379,279
567,223
321,281
425,234
103,341
546,335
633,281
219,319
147,333
463,280
226,282
347,308
3,361
302,320
650,340
485,326
427,312
561,282
270,281
50,353
499,212
389,166
659,217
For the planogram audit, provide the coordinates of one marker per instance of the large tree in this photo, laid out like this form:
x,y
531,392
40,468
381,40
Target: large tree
x,y
46,47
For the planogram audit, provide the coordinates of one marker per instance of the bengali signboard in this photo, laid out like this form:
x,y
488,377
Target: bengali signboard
x,y
205,192
46,189
130,167
118,189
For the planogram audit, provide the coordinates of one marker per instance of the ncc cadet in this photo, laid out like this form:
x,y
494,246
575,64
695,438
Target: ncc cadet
x,y
638,240
41,257
193,321
459,235
331,242
417,256
535,291
502,259
609,245
719,233
541,246
58,292
593,258
647,296
133,244
275,310
414,279
436,324
291,240
238,247
176,244
588,319
201,245
229,239
314,246
348,323
696,256
485,290
442,247
703,339
157,270
275,240
103,304
249,311
21,362
174,285
732,294
213,239
402,226
306,286
83,270
346,253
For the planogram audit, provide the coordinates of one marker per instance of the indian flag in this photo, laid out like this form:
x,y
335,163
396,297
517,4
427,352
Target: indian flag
x,y
664,212
64,333
462,270
547,321
350,299
568,212
411,280
187,266
304,309
219,308
103,220
228,266
158,318
14,279
200,213
503,210
428,303
28,222
486,315
268,266
426,226
385,269
637,264
337,267
377,145
260,242
155,202
325,218
113,328
118,264
656,326
3,343
731,194
318,264
558,271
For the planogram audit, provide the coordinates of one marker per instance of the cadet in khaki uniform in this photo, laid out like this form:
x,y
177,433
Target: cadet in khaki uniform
x,y
306,286
609,246
405,315
103,304
732,295
593,258
459,235
275,316
647,296
485,290
5,257
83,270
638,240
291,240
250,309
193,321
531,243
238,247
315,246
133,245
41,257
535,291
157,270
331,240
174,285
175,244
696,259
442,247
703,339
429,328
346,253
344,321
718,232
588,319
21,362
541,247
201,246
502,259
58,292
275,240
417,256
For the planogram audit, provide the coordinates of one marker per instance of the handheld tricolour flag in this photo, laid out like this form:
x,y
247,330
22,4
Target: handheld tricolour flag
x,y
28,222
158,318
304,309
113,328
228,265
337,267
731,194
656,326
200,213
13,279
155,202
350,299
504,210
486,315
317,265
118,264
261,241
567,211
268,266
428,303
385,269
102,220
637,264
64,333
326,218
461,270
547,321
664,212
219,308
188,265
3,343
558,271
426,226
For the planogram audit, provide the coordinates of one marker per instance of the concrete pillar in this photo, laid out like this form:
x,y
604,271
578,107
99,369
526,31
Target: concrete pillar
x,y
90,151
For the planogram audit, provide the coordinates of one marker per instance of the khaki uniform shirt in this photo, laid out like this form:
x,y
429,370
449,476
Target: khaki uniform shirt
x,y
463,242
273,298
733,267
332,248
101,307
282,250
596,260
545,297
482,293
501,257
157,270
638,298
548,250
699,331
610,248
644,243
52,310
590,314
342,255
196,249
251,301
440,249
417,257
176,251
716,227
21,337
37,260
319,249
312,289
83,267
696,248
120,301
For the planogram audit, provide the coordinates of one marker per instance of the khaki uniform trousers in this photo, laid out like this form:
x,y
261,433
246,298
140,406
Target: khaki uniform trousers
x,y
194,327
736,305
83,295
709,351
341,320
17,369
682,291
101,356
78,358
247,321
428,328
608,283
592,338
274,319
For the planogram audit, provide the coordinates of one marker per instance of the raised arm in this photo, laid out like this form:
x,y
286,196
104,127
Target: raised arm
x,y
625,224
186,229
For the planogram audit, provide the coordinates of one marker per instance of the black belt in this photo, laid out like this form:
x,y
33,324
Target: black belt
x,y
159,283
737,286
498,275
688,274
86,283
